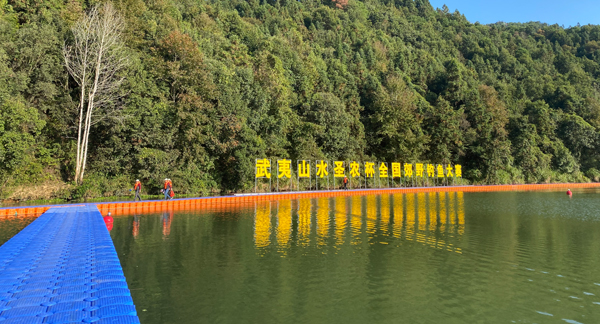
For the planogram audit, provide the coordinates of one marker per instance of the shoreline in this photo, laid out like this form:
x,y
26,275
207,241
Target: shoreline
x,y
148,206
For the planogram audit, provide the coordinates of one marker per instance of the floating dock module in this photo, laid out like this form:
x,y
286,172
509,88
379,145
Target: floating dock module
x,y
63,268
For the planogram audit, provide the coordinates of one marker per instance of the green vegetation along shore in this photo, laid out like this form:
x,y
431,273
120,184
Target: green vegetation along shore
x,y
212,85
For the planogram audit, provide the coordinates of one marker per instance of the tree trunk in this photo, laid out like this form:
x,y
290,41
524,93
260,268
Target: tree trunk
x,y
95,54
81,106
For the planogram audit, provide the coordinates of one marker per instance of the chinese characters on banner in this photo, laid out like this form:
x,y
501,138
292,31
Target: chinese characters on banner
x,y
322,169
430,170
322,173
383,170
263,168
440,170
354,169
304,169
444,173
369,170
396,170
419,169
284,169
338,170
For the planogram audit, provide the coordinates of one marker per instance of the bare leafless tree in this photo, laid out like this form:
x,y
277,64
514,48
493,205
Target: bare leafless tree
x,y
95,59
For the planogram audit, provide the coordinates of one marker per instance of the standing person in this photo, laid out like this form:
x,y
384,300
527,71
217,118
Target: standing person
x,y
171,192
166,189
138,190
345,183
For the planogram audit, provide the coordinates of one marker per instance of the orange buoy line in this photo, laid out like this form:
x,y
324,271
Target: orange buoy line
x,y
241,200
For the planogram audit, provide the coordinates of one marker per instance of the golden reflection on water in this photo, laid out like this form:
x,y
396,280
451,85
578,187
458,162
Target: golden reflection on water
x,y
304,209
432,213
371,214
461,213
398,214
421,211
262,225
431,219
442,205
322,220
385,214
451,211
284,223
341,219
356,219
410,216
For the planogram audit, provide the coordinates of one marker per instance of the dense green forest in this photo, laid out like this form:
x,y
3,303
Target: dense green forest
x,y
212,85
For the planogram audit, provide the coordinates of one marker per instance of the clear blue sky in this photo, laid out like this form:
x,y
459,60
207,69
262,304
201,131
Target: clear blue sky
x,y
562,12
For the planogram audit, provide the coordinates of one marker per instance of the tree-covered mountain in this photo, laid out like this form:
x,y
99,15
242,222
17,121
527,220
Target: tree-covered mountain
x,y
212,85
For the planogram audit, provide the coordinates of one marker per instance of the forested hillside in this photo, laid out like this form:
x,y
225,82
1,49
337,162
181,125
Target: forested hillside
x,y
212,85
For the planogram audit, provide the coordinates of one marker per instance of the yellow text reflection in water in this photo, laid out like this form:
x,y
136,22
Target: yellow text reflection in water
x,y
461,212
432,211
341,218
304,209
385,214
422,211
442,202
371,214
322,221
427,218
421,217
398,214
262,225
284,223
356,219
410,216
451,211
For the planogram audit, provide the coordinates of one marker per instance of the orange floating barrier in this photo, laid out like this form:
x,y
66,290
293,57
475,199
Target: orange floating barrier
x,y
230,202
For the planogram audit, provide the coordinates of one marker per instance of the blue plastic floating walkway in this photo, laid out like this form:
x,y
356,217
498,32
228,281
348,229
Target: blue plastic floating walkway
x,y
63,268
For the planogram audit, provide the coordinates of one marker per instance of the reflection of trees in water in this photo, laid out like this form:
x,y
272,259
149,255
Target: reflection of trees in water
x,y
427,218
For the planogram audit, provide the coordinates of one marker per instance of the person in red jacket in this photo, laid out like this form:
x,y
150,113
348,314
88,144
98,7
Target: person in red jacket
x,y
168,189
171,191
138,190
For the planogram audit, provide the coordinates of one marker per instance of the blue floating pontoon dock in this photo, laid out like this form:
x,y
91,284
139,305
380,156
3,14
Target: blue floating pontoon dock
x,y
63,268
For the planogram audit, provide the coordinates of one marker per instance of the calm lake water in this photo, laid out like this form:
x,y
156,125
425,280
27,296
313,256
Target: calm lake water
x,y
513,257
516,257
10,225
